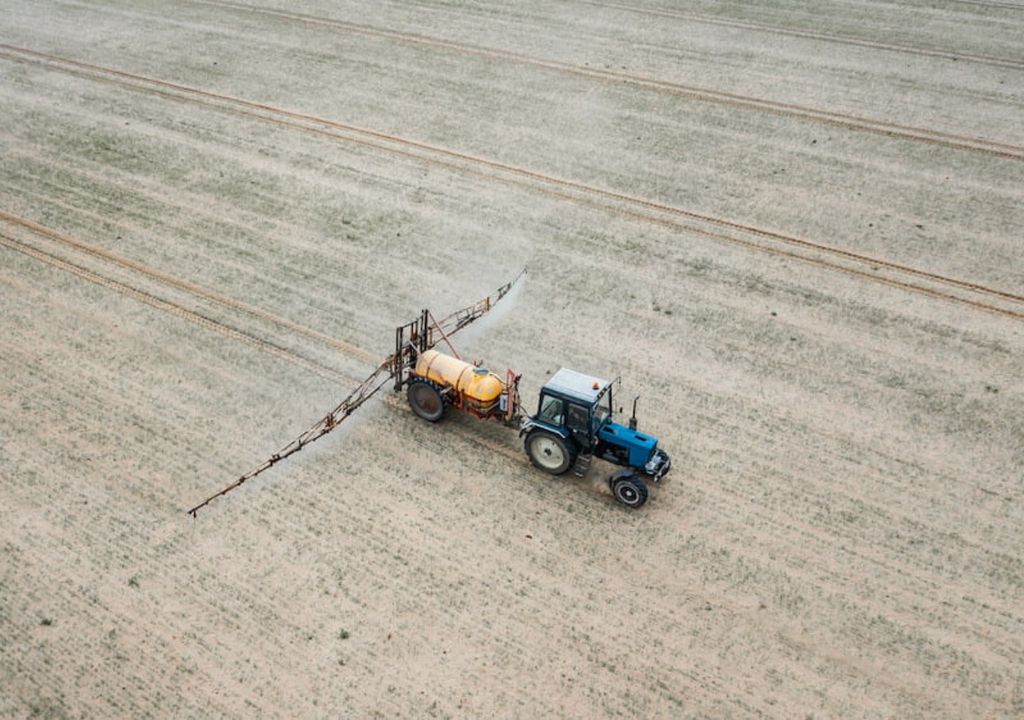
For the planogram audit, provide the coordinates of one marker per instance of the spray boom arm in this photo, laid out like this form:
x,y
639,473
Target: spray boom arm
x,y
419,336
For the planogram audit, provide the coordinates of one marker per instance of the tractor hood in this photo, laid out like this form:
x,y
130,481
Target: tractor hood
x,y
640,446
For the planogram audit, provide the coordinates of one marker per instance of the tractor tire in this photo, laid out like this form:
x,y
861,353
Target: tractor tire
x,y
629,490
549,452
427,400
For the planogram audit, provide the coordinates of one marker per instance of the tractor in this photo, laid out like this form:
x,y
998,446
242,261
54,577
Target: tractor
x,y
573,423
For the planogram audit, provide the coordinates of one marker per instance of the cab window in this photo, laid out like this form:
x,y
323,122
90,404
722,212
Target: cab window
x,y
602,411
551,410
579,418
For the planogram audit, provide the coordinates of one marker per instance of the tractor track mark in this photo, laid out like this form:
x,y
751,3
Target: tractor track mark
x,y
173,308
201,320
530,179
185,285
102,211
982,3
812,35
848,121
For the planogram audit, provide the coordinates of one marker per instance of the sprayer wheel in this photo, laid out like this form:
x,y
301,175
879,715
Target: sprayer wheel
x,y
426,400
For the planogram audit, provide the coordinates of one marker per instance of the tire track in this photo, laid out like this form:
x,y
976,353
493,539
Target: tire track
x,y
185,285
313,366
318,368
580,193
812,35
847,121
982,3
102,211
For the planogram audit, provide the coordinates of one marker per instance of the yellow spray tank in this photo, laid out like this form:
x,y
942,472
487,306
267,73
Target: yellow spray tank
x,y
474,385
439,381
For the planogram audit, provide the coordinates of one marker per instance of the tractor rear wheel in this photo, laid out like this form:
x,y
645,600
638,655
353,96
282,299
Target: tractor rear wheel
x,y
548,452
629,490
426,400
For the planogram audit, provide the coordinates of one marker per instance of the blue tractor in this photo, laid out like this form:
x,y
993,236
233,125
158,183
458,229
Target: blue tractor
x,y
574,424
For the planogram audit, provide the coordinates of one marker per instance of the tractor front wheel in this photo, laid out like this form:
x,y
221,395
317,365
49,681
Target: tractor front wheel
x,y
426,400
629,490
548,452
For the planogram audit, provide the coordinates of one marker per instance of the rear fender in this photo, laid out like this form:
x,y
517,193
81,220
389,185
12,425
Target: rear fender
x,y
621,475
531,423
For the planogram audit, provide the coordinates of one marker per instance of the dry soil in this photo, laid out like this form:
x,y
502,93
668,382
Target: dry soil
x,y
794,229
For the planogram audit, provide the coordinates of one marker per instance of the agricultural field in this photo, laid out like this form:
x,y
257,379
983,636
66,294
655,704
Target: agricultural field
x,y
794,229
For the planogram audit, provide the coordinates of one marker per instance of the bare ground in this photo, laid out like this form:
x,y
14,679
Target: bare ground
x,y
839,536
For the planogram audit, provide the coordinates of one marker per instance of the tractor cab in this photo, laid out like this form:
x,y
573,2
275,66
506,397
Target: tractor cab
x,y
574,423
576,405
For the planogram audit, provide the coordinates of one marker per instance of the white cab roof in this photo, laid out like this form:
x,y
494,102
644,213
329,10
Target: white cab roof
x,y
570,382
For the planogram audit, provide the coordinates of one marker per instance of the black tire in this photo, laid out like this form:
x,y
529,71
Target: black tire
x,y
549,452
629,490
426,400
